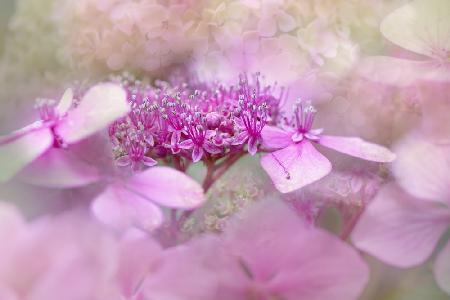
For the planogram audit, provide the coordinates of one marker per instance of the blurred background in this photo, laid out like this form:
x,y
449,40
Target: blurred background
x,y
6,10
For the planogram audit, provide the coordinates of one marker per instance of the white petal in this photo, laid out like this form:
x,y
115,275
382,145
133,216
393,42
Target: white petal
x,y
423,168
421,26
65,103
20,151
100,106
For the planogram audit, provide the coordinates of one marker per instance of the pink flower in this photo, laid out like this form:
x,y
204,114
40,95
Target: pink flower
x,y
41,145
403,226
70,257
420,26
268,254
298,163
196,120
131,202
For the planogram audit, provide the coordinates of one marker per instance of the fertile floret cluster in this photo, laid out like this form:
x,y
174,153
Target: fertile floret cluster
x,y
184,123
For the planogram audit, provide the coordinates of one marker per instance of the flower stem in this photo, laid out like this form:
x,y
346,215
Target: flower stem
x,y
213,173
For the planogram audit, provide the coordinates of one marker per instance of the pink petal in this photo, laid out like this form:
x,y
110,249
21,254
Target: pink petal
x,y
298,137
149,162
65,103
400,230
315,264
197,153
100,106
150,140
194,268
187,144
423,169
442,269
175,138
121,209
294,167
59,168
168,187
252,145
7,294
211,148
275,138
11,223
357,147
241,138
137,254
123,161
20,151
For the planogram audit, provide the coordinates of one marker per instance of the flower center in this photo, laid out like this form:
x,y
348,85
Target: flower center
x,y
304,114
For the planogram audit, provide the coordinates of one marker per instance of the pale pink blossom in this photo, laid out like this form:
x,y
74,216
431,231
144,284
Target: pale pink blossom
x,y
268,253
71,257
405,221
42,145
298,163
132,201
422,27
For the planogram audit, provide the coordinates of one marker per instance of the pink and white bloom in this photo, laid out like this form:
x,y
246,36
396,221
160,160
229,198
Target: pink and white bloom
x,y
405,221
270,253
132,201
420,26
41,145
298,163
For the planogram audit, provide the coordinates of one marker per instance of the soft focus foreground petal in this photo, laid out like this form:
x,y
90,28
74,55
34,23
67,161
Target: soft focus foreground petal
x,y
11,222
65,103
294,167
357,147
442,268
21,151
121,209
62,257
421,26
137,254
399,229
275,138
292,260
59,168
422,168
189,272
167,187
100,106
402,72
7,294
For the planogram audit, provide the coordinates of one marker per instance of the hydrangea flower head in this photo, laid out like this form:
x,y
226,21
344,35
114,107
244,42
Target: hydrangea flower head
x,y
193,122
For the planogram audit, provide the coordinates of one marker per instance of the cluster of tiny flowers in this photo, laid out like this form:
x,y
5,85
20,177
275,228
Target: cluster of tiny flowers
x,y
183,122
